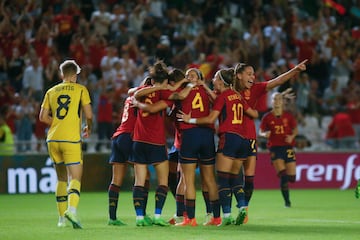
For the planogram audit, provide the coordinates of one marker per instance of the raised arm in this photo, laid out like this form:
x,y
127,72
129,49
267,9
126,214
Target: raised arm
x,y
177,84
183,93
279,80
145,91
150,108
209,91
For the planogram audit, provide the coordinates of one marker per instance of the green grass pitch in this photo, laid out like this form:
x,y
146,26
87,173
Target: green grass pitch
x,y
316,214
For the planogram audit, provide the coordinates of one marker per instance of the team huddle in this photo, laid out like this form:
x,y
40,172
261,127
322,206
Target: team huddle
x,y
197,113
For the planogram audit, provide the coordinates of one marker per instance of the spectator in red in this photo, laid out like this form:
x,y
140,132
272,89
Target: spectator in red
x,y
65,28
353,109
75,12
105,127
306,47
340,133
78,49
7,93
40,43
21,42
7,36
96,51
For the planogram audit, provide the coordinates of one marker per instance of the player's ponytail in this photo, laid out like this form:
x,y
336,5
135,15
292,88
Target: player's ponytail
x,y
227,76
159,72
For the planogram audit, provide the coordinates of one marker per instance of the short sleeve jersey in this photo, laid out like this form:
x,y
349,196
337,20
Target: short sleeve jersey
x,y
150,127
127,120
251,96
65,102
198,103
279,127
231,107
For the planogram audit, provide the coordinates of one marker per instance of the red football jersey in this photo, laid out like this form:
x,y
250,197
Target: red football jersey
x,y
198,103
150,128
279,127
251,96
128,119
231,107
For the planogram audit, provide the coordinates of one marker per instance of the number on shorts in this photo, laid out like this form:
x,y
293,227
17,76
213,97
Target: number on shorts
x,y
290,153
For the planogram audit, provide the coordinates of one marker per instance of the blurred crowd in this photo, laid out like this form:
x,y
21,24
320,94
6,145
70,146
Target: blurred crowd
x,y
115,41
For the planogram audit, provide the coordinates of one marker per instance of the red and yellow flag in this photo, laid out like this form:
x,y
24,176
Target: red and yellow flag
x,y
338,7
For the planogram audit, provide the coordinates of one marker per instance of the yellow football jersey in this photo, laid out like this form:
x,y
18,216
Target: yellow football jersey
x,y
65,102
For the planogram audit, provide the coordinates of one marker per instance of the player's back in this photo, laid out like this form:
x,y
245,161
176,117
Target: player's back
x,y
65,102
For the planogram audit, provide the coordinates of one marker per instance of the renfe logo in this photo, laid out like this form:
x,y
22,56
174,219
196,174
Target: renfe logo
x,y
314,171
344,173
21,180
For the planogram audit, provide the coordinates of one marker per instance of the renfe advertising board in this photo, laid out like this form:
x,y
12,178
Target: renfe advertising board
x,y
313,170
34,173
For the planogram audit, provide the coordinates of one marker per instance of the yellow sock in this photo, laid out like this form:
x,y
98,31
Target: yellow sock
x,y
74,193
61,197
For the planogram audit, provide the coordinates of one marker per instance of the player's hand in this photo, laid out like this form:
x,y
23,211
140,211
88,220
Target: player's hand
x,y
301,66
267,134
289,139
134,102
183,117
288,94
86,132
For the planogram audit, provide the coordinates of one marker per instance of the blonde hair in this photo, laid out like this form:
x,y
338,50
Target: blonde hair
x,y
69,67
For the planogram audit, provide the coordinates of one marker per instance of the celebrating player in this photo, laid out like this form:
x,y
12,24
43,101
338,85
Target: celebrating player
x,y
280,128
229,108
251,92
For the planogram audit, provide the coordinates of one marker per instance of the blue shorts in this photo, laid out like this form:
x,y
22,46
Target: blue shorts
x,y
285,153
146,153
233,145
252,150
173,155
197,146
121,149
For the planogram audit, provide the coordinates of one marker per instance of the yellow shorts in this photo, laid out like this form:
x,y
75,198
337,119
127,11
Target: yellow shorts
x,y
65,153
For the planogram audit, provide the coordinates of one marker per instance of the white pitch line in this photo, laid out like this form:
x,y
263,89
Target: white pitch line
x,y
323,221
